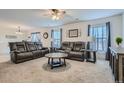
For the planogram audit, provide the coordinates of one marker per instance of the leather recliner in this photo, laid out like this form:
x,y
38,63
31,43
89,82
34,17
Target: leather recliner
x,y
76,53
19,52
23,51
73,50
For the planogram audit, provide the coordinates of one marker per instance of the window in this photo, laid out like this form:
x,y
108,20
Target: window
x,y
56,39
36,37
100,34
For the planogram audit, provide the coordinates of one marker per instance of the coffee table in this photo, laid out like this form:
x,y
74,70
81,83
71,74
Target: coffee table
x,y
59,57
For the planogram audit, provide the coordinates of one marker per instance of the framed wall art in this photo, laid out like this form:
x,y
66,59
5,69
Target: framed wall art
x,y
73,33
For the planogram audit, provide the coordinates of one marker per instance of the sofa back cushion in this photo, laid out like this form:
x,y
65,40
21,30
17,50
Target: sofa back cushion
x,y
65,45
38,45
12,46
83,45
78,46
71,45
20,46
31,46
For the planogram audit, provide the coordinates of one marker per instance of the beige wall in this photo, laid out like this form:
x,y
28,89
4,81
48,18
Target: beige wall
x,y
116,28
4,49
46,42
123,29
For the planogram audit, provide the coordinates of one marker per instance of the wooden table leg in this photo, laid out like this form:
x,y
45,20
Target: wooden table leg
x,y
60,62
52,63
64,62
112,63
86,56
59,59
48,60
94,54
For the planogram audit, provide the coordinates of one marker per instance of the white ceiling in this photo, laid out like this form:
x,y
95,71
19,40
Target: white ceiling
x,y
37,17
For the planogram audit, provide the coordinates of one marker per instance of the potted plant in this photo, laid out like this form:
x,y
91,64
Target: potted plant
x,y
119,40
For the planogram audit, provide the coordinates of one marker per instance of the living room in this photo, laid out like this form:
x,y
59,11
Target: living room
x,y
74,26
68,46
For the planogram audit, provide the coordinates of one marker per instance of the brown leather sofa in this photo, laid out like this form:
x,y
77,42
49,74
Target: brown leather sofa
x,y
73,50
31,47
23,51
40,47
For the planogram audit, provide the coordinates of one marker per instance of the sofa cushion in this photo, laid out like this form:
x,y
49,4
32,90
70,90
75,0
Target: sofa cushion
x,y
45,51
31,46
67,50
75,53
77,49
24,55
21,46
71,44
61,51
12,46
77,46
65,45
38,45
37,53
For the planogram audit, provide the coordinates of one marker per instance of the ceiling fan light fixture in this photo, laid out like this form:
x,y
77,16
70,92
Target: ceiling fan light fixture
x,y
57,17
57,14
54,17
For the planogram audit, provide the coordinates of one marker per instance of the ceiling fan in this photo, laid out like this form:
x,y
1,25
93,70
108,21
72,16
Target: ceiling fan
x,y
57,14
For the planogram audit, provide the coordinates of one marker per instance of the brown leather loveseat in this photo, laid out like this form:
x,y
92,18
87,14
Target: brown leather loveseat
x,y
73,50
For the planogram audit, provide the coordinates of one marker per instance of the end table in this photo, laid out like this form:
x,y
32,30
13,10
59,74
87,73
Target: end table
x,y
86,51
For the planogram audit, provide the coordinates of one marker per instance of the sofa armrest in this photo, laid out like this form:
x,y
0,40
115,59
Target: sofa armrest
x,y
59,48
15,51
44,48
82,49
13,55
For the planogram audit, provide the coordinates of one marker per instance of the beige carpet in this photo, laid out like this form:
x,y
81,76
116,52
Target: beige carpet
x,y
76,72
